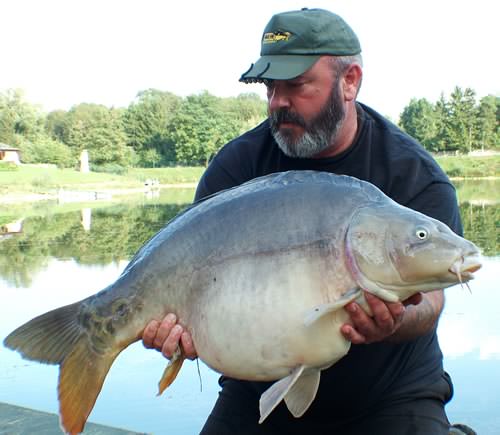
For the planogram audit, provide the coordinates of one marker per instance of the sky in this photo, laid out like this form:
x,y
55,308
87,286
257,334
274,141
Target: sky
x,y
62,53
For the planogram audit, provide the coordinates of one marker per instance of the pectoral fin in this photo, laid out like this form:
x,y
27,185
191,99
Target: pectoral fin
x,y
271,398
320,310
302,393
171,370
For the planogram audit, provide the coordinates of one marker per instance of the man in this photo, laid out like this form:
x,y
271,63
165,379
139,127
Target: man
x,y
392,380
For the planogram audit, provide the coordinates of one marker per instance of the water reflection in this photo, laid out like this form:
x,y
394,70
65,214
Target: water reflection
x,y
466,327
100,236
128,398
59,256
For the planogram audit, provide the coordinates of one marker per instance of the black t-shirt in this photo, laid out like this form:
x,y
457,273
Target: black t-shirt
x,y
382,154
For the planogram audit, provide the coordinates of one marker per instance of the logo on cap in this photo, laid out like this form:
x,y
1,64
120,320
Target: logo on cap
x,y
272,37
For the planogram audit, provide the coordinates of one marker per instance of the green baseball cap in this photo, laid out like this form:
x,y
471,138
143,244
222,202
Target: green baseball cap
x,y
293,42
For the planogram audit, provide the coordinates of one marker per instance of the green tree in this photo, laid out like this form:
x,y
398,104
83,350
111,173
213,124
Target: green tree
x,y
442,140
200,127
8,119
488,130
462,119
22,125
56,125
147,122
100,131
44,149
419,121
18,118
248,109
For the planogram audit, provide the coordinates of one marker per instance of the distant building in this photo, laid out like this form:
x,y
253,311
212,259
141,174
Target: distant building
x,y
11,229
15,227
9,154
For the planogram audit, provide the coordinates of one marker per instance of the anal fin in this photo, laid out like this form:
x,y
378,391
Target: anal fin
x,y
302,393
171,370
271,398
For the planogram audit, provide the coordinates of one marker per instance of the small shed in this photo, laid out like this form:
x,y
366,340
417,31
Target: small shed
x,y
9,154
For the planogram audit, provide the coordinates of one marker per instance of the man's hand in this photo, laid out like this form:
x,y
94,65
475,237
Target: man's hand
x,y
387,318
165,336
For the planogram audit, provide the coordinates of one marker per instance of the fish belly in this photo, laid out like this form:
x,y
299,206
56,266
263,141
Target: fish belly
x,y
249,321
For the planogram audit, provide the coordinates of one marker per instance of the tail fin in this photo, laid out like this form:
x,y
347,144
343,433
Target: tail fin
x,y
48,338
56,337
81,377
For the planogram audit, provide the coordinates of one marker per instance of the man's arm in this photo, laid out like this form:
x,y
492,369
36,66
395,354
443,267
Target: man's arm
x,y
394,322
420,319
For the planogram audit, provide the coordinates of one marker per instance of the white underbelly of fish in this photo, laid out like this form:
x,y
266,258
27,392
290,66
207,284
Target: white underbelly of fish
x,y
249,322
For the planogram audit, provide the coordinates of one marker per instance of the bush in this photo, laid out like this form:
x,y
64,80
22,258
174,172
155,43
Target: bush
x,y
8,167
150,158
42,183
110,168
43,149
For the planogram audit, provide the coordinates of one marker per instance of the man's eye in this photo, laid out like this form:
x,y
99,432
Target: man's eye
x,y
269,84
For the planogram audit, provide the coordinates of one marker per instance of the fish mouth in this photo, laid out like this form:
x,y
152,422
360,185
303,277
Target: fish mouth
x,y
464,267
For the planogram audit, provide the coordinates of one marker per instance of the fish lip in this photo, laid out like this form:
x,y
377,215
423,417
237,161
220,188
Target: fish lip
x,y
466,265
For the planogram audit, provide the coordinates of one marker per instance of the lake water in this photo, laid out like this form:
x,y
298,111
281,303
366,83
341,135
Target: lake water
x,y
56,254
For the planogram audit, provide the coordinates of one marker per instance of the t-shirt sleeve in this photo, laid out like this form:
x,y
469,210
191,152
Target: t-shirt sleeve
x,y
215,178
439,201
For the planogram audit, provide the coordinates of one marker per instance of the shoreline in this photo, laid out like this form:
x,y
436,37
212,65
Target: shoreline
x,y
72,195
22,197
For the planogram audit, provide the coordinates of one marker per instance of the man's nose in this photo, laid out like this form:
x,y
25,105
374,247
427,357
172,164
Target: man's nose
x,y
277,97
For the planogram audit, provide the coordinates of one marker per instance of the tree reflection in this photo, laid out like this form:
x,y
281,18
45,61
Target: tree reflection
x,y
115,234
481,222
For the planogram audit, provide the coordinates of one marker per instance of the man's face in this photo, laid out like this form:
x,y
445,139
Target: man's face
x,y
306,113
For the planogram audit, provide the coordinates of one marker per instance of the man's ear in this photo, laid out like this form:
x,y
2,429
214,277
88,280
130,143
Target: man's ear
x,y
352,81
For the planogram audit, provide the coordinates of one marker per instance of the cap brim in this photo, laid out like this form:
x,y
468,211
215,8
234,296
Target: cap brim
x,y
279,67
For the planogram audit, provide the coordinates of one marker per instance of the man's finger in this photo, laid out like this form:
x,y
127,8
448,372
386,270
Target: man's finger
x,y
352,335
149,334
171,343
164,330
387,315
188,346
362,323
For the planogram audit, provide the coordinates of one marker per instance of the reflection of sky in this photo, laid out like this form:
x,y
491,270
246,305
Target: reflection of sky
x,y
128,398
470,323
469,334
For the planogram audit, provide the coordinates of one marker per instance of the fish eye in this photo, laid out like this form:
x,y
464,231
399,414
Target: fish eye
x,y
421,233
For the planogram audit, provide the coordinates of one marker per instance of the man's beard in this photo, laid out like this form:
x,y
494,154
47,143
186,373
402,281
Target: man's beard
x,y
319,133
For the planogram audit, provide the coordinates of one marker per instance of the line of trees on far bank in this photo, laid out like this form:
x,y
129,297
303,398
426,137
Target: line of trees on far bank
x,y
458,124
157,129
160,128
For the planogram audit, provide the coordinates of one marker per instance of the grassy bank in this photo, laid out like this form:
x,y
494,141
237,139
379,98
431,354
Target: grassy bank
x,y
47,180
470,167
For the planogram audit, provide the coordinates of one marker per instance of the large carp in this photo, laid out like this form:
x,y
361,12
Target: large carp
x,y
259,275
